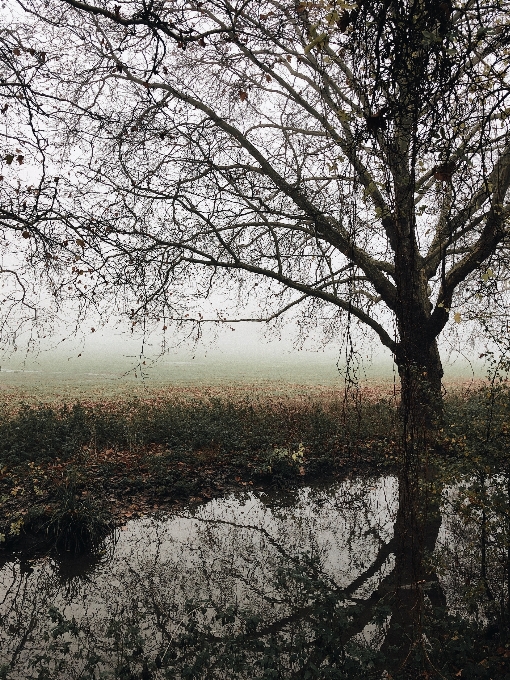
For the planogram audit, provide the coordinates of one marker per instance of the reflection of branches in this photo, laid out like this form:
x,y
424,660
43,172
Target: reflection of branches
x,y
306,612
29,629
382,555
23,616
384,552
228,589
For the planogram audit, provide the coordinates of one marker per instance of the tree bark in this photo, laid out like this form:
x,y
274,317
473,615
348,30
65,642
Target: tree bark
x,y
421,374
418,518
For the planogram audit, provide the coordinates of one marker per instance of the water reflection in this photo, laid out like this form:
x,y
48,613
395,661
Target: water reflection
x,y
313,584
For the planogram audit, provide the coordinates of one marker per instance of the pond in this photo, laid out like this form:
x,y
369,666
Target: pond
x,y
313,583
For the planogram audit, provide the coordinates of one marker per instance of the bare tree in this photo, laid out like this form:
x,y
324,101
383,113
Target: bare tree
x,y
351,159
40,268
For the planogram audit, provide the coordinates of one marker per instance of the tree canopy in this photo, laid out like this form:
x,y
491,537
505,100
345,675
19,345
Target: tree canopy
x,y
349,159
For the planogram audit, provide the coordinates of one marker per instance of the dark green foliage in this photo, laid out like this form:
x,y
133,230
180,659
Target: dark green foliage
x,y
72,524
43,433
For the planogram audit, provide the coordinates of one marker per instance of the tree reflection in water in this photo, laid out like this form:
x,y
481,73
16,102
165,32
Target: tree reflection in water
x,y
330,583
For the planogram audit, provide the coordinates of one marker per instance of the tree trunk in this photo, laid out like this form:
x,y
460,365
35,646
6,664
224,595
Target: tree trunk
x,y
422,414
418,359
418,517
421,376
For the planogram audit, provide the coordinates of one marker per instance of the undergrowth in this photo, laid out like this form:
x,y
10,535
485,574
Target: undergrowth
x,y
58,465
41,434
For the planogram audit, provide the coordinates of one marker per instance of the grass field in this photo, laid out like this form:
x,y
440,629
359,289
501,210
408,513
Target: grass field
x,y
57,378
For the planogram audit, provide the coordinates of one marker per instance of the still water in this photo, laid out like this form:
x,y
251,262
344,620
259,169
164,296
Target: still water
x,y
294,585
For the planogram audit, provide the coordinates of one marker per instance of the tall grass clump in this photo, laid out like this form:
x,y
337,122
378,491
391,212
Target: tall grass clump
x,y
77,525
72,524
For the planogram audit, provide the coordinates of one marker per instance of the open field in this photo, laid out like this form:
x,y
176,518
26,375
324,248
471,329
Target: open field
x,y
52,378
17,388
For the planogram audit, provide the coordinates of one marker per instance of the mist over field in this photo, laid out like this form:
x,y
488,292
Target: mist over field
x,y
111,360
